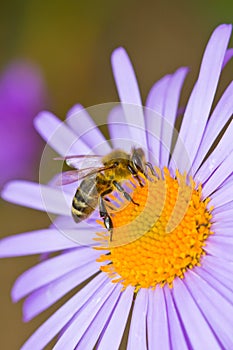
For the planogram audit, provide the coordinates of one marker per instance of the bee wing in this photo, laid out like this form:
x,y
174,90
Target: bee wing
x,y
67,177
71,176
75,161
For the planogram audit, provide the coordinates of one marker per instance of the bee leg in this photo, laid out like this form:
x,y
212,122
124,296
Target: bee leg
x,y
152,170
106,218
107,204
134,173
125,194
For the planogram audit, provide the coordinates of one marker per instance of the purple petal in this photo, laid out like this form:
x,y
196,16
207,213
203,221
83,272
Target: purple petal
x,y
222,231
22,95
34,242
154,116
36,196
157,94
197,328
58,135
119,130
129,94
217,178
177,336
157,322
223,213
219,269
83,125
68,226
221,225
53,325
223,195
94,330
220,246
228,57
202,96
22,90
116,326
84,318
137,333
170,112
125,78
220,152
82,235
47,295
51,269
213,281
219,117
216,309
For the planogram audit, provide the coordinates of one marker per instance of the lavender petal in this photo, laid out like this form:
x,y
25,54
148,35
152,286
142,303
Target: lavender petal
x,y
36,196
170,112
119,129
218,177
177,336
215,307
34,242
58,135
219,117
197,328
219,154
157,320
116,325
202,96
84,318
85,128
42,298
49,270
223,196
220,246
129,94
219,269
155,105
55,323
100,321
228,57
137,333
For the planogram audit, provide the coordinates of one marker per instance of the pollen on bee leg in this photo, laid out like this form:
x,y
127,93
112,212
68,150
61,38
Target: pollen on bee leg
x,y
160,239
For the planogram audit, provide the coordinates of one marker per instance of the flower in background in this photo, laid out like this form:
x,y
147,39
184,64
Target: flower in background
x,y
180,284
22,95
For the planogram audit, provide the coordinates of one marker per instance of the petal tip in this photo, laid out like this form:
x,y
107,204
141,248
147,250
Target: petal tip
x,y
14,295
41,116
26,315
7,190
224,28
3,245
74,110
119,52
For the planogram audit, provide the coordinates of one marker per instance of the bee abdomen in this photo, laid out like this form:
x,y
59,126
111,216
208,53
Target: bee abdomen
x,y
84,201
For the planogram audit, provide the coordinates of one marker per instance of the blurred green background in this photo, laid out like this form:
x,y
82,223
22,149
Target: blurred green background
x,y
71,41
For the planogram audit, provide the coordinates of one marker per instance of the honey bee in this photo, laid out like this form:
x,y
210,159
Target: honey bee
x,y
98,182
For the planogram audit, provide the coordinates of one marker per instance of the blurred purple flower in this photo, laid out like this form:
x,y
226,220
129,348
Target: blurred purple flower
x,y
22,95
197,312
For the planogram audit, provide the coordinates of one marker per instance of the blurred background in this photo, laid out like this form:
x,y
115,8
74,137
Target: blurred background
x,y
55,54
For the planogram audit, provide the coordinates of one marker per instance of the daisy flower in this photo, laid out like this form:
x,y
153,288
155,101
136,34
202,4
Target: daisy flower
x,y
171,278
22,95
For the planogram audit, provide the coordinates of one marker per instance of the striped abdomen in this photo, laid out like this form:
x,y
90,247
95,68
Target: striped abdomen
x,y
85,199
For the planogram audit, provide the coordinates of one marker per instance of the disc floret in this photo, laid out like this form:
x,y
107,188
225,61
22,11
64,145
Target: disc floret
x,y
160,239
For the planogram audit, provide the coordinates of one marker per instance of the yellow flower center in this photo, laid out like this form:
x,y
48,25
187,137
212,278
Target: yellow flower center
x,y
162,237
